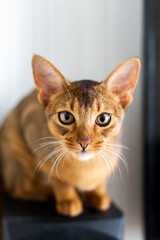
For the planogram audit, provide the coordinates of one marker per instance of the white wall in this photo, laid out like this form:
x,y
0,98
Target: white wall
x,y
84,39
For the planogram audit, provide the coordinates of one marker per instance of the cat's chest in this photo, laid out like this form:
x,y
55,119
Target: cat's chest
x,y
84,176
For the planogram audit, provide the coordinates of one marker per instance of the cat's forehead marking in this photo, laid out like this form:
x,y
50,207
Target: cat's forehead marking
x,y
85,92
88,94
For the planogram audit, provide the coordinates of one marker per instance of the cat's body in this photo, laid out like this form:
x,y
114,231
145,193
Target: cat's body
x,y
21,132
66,125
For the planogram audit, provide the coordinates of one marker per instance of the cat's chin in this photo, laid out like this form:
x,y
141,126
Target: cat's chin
x,y
83,156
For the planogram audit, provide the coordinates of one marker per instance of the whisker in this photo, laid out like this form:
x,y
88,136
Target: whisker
x,y
110,164
41,145
116,166
58,164
51,171
107,163
118,152
67,90
49,142
117,145
45,138
45,159
66,157
120,156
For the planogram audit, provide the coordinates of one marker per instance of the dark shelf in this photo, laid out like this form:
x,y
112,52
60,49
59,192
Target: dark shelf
x,y
39,220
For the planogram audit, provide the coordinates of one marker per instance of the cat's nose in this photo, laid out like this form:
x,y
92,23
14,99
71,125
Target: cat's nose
x,y
84,142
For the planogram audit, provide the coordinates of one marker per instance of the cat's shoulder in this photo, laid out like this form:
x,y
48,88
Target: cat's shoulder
x,y
30,98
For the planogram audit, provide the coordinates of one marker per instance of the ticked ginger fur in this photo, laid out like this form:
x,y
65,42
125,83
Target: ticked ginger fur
x,y
74,153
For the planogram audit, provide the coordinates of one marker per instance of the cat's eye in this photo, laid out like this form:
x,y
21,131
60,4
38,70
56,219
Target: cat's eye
x,y
103,119
66,118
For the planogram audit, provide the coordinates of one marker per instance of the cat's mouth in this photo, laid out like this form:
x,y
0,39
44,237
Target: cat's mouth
x,y
83,155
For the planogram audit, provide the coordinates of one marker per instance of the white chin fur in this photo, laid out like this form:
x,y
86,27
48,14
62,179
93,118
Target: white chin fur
x,y
83,156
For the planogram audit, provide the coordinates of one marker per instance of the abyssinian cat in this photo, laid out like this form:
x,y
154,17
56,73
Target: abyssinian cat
x,y
76,125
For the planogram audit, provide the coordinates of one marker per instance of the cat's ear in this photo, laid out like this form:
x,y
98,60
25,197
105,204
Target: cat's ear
x,y
48,78
123,80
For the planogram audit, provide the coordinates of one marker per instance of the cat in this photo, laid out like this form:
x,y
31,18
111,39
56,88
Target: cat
x,y
76,126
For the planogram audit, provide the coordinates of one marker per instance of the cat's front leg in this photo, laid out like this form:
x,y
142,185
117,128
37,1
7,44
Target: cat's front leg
x,y
98,198
67,199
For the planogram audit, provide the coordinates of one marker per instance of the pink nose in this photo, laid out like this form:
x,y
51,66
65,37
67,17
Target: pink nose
x,y
84,143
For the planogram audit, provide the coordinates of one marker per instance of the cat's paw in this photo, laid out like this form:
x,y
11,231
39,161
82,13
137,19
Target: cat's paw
x,y
71,207
99,201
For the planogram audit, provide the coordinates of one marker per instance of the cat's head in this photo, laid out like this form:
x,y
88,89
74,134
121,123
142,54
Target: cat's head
x,y
85,115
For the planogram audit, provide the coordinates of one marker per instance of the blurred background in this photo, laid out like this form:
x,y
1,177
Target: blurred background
x,y
84,39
